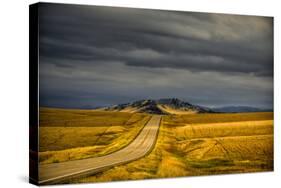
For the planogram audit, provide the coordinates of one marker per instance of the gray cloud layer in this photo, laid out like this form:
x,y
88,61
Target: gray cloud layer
x,y
101,55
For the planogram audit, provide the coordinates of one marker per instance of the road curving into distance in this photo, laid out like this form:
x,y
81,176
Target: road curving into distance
x,y
142,145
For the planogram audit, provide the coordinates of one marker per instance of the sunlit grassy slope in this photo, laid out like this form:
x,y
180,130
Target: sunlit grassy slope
x,y
77,134
202,144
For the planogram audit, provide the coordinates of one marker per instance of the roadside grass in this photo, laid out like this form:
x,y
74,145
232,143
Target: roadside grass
x,y
93,136
202,146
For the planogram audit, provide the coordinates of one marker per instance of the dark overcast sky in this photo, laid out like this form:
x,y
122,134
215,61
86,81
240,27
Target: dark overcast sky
x,y
97,56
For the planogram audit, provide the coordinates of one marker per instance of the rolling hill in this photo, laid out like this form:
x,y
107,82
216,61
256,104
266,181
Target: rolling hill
x,y
160,106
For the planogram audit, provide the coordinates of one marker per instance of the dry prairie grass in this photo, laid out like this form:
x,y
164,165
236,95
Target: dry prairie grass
x,y
180,120
55,117
207,144
97,133
211,130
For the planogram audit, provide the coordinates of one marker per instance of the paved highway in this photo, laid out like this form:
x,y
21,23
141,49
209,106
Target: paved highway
x,y
143,144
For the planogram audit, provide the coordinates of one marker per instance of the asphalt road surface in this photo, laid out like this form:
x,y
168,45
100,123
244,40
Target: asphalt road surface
x,y
142,145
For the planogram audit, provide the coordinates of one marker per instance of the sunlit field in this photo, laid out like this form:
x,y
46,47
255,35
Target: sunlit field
x,y
77,134
202,144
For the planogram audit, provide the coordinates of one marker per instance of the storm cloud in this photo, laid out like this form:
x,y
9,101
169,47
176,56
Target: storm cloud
x,y
97,56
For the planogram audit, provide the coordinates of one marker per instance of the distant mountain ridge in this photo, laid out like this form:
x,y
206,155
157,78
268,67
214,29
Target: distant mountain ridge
x,y
160,106
175,106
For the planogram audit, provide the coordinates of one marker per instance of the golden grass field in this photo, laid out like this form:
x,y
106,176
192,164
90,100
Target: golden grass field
x,y
202,144
77,134
187,144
